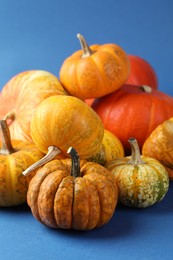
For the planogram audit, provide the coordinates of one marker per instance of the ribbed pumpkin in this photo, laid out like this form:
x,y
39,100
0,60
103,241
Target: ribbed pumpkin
x,y
159,145
133,111
65,121
111,148
15,157
72,194
94,71
22,94
141,181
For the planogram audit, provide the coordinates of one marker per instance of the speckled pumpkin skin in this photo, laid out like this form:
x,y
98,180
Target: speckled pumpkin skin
x,y
60,200
13,185
140,185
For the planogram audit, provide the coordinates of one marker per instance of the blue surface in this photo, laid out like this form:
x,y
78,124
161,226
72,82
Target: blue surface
x,y
130,234
39,34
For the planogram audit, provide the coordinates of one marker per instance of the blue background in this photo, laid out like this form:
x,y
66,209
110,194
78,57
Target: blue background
x,y
39,34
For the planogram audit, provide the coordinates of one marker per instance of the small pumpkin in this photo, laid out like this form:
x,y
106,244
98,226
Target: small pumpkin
x,y
133,110
64,121
159,145
111,148
141,72
142,181
15,157
72,194
21,95
95,70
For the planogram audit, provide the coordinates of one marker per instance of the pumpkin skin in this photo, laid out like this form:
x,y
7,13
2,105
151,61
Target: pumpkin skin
x,y
59,199
21,95
159,145
94,71
65,121
142,181
133,110
141,73
111,149
15,157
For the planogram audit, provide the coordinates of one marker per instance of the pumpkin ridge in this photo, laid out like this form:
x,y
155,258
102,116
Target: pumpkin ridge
x,y
10,165
160,176
96,216
46,197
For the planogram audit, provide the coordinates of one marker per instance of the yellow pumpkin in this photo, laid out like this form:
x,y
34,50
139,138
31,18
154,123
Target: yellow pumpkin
x,y
15,157
111,148
65,121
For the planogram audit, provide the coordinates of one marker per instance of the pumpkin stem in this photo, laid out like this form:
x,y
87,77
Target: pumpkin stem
x,y
75,169
52,152
10,115
85,47
7,147
135,156
146,88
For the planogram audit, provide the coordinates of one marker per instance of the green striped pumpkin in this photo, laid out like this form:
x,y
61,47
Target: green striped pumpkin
x,y
142,181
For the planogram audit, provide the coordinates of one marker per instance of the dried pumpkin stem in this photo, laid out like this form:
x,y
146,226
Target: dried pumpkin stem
x,y
52,152
75,169
146,88
135,156
10,115
85,47
7,147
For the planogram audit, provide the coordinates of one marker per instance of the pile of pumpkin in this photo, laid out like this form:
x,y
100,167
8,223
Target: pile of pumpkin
x,y
73,147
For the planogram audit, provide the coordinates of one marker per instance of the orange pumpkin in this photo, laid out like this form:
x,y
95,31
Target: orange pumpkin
x,y
94,71
21,95
72,195
133,111
159,145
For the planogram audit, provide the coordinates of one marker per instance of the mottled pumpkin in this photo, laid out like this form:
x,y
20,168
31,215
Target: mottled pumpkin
x,y
72,194
159,145
15,157
94,71
141,181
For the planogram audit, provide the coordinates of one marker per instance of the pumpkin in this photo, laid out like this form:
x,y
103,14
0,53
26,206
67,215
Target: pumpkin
x,y
141,72
159,145
133,111
142,181
111,148
72,194
15,157
95,70
21,95
65,121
